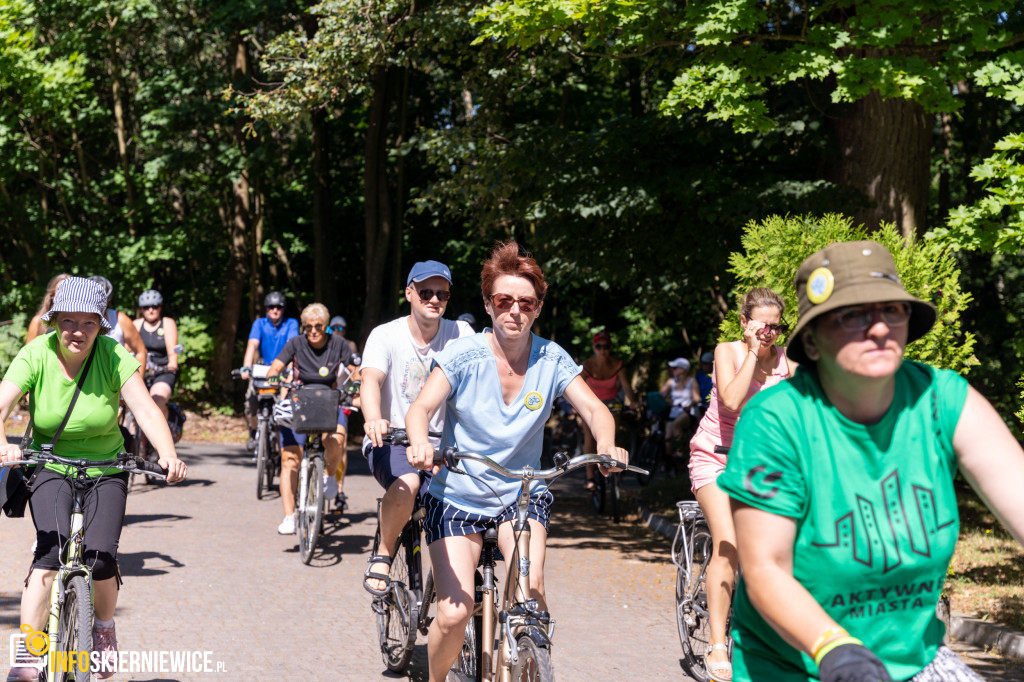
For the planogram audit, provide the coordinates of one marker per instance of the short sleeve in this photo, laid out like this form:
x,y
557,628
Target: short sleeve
x,y
254,331
566,368
952,395
291,328
22,371
763,468
287,353
375,352
125,364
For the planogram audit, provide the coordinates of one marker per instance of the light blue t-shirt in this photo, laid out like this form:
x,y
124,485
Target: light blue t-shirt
x,y
478,420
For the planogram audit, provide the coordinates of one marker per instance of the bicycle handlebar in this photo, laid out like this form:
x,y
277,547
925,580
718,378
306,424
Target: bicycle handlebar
x,y
124,460
450,456
397,436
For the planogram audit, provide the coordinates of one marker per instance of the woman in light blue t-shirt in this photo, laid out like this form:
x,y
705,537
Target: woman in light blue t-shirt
x,y
497,387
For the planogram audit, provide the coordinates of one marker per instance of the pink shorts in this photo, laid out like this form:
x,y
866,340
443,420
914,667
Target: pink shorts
x,y
705,466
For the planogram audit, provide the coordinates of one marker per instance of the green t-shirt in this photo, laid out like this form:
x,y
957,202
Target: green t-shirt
x,y
91,432
875,510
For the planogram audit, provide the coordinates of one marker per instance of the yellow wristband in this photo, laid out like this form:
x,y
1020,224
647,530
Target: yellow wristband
x,y
832,645
827,637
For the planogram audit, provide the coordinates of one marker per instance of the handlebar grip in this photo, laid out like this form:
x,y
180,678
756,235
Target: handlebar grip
x,y
151,467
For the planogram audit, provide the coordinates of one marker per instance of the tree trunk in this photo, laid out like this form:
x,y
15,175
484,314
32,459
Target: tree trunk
x,y
239,225
884,153
120,127
378,220
323,282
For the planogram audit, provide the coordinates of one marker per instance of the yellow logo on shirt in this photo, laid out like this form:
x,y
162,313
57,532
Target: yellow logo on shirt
x,y
533,400
322,371
160,331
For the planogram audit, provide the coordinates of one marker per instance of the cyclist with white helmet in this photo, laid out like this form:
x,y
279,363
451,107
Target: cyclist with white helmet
x,y
338,326
121,328
160,336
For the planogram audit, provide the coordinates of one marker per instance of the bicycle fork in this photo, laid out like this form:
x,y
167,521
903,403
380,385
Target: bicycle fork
x,y
70,568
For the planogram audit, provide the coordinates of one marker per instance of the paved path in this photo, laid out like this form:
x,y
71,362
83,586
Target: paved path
x,y
205,569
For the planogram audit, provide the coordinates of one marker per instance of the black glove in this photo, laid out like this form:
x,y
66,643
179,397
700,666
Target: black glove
x,y
852,663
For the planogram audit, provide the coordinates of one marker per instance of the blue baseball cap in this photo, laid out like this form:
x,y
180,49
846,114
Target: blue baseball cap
x,y
427,269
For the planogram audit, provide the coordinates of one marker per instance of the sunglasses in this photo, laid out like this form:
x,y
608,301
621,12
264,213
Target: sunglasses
x,y
776,328
312,327
427,294
603,346
275,307
860,318
504,302
150,307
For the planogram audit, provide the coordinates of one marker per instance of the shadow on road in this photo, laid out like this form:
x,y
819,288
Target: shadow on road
x,y
146,518
10,611
135,564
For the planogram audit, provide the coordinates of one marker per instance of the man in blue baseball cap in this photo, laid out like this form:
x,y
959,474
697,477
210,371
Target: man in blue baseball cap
x,y
396,362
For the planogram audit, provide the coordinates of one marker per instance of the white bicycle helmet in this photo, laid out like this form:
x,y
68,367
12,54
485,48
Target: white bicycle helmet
x,y
150,297
283,413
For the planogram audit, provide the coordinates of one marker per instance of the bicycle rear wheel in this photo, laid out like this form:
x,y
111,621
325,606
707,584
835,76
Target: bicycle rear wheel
x,y
692,619
74,629
262,457
534,663
398,615
597,495
311,507
428,599
613,496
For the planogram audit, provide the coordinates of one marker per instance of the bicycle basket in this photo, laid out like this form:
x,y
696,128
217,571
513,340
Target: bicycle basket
x,y
315,409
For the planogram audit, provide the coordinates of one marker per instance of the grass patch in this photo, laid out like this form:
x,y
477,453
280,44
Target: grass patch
x,y
985,578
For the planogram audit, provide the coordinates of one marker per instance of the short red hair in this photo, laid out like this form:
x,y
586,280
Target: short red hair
x,y
508,258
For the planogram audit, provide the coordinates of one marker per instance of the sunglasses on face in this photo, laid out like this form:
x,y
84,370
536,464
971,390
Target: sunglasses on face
x,y
312,328
859,318
427,294
275,307
775,328
603,346
504,303
150,307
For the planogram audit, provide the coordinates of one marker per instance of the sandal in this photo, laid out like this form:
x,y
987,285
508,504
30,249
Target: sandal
x,y
590,485
372,575
715,670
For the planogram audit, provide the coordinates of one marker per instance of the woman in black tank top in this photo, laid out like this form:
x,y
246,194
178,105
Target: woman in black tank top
x,y
160,336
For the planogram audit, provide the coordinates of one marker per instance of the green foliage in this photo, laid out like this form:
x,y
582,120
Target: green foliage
x,y
194,334
994,222
12,338
774,248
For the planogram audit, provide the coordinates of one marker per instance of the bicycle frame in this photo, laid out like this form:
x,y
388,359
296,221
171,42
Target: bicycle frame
x,y
70,567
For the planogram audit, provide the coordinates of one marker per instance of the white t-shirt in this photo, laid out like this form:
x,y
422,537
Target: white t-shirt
x,y
115,332
390,349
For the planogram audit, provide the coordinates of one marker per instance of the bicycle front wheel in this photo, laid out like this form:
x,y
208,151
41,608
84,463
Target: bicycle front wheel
x,y
648,458
613,496
311,508
692,618
398,617
74,630
534,661
262,457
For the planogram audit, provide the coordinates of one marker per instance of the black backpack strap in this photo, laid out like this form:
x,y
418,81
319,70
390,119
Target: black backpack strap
x,y
74,398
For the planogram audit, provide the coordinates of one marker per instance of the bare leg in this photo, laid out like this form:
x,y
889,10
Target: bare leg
x,y
106,598
723,565
35,598
161,393
395,509
290,457
538,553
454,562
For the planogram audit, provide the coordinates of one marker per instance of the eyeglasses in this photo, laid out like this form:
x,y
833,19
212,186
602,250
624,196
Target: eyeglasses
x,y
504,302
776,328
427,294
603,346
275,307
859,318
312,328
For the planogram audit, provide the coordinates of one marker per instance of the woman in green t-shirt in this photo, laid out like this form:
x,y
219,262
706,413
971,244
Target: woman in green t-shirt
x,y
48,371
842,486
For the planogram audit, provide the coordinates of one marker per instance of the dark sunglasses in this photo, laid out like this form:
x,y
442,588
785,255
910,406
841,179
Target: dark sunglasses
x,y
603,346
275,307
312,327
150,307
776,328
427,294
504,302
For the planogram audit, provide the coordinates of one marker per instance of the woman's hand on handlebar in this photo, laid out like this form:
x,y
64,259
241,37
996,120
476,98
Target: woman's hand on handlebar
x,y
10,452
617,453
176,469
421,456
376,429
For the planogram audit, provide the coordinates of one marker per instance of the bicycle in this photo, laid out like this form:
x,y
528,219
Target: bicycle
x,y
692,547
518,634
70,620
607,489
136,441
268,445
311,410
652,454
404,609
